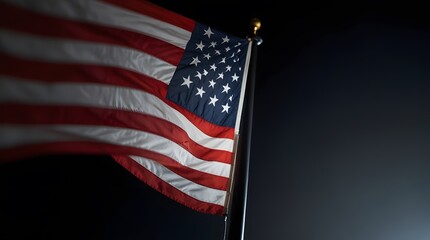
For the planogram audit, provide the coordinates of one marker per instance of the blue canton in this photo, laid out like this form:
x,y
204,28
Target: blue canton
x,y
208,79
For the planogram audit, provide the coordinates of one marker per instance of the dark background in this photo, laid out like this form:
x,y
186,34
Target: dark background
x,y
340,141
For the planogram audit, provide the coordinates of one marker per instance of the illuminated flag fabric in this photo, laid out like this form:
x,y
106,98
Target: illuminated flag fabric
x,y
157,91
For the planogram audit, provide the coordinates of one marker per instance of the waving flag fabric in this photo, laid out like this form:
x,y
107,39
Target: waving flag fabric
x,y
157,91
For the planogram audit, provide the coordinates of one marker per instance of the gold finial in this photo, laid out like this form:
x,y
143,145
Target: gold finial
x,y
255,25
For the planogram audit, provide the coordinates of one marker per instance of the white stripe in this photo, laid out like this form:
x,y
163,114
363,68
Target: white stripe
x,y
184,185
16,135
72,51
104,96
108,15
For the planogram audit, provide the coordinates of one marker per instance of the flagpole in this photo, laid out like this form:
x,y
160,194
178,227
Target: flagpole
x,y
237,208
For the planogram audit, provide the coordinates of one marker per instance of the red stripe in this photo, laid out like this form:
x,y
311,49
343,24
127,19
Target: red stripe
x,y
59,72
166,189
38,149
152,10
23,20
39,114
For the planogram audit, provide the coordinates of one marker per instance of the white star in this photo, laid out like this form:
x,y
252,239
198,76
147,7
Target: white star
x,y
187,81
222,60
220,75
200,46
213,67
195,61
200,92
208,32
235,78
212,83
226,88
230,98
225,108
225,39
207,56
227,49
213,44
205,72
228,68
198,75
217,52
213,100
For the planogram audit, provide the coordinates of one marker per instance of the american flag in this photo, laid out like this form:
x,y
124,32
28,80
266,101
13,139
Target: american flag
x,y
157,91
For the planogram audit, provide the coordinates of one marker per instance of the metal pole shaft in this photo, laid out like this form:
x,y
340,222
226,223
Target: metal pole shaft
x,y
237,215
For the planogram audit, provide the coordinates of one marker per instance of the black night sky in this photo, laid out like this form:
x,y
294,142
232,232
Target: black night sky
x,y
340,141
